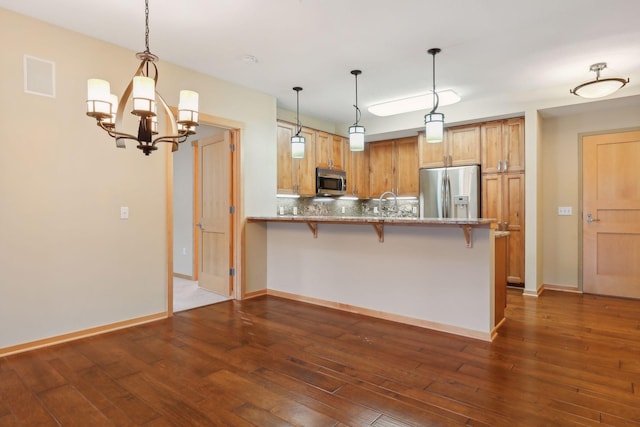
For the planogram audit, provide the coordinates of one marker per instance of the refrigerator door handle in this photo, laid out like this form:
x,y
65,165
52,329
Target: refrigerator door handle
x,y
443,191
447,196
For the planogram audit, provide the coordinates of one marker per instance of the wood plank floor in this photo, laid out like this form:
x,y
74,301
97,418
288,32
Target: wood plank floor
x,y
561,359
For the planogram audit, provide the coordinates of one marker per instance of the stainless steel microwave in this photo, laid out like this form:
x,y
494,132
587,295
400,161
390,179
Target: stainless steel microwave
x,y
330,182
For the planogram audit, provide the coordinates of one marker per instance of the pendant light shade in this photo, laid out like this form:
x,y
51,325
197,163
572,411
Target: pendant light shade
x,y
599,88
356,132
297,141
434,121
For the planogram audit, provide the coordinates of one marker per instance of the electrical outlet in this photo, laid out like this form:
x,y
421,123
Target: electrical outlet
x,y
184,251
375,209
414,209
343,210
565,211
281,209
124,212
295,210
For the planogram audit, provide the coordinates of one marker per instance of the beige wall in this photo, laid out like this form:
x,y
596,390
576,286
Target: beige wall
x,y
67,262
561,165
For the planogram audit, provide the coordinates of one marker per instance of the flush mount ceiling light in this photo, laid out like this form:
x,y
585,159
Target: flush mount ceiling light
x,y
434,121
356,132
413,103
599,87
101,105
297,141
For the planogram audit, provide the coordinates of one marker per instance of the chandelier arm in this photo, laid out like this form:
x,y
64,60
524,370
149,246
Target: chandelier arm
x,y
114,133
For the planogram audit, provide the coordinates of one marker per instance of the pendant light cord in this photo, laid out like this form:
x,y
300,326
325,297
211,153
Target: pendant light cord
x,y
436,97
298,110
358,112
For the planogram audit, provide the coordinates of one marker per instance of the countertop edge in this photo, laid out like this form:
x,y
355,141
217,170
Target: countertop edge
x,y
480,222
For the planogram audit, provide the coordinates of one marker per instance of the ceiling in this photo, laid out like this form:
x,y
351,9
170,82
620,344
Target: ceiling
x,y
490,48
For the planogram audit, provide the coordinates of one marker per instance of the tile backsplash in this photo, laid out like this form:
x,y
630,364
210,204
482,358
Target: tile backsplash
x,y
328,206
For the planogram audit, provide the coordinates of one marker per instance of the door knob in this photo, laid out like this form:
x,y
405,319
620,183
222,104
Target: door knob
x,y
591,219
199,226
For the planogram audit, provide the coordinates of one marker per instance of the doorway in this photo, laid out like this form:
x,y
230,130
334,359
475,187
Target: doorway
x,y
611,214
186,258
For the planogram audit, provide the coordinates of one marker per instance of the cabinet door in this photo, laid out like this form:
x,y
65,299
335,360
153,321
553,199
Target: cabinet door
x,y
323,142
513,145
305,168
381,163
513,208
463,145
492,196
491,146
286,181
357,168
406,167
337,149
430,155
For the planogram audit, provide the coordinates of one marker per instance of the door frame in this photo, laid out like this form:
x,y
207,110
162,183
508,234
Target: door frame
x,y
581,136
235,129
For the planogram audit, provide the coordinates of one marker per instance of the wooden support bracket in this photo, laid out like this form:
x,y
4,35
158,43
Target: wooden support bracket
x,y
379,228
468,234
313,226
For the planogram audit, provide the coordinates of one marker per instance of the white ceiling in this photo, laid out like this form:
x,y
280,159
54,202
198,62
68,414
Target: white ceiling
x,y
489,47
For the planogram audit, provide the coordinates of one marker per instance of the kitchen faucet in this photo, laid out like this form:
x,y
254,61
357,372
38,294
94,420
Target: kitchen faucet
x,y
395,202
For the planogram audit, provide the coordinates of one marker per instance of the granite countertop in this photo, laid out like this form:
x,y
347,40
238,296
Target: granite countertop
x,y
372,220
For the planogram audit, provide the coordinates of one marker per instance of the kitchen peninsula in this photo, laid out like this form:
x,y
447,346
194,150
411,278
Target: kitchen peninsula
x,y
432,273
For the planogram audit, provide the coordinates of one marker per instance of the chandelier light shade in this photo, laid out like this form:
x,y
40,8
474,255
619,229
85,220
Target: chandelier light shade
x,y
434,121
297,141
599,88
356,132
109,113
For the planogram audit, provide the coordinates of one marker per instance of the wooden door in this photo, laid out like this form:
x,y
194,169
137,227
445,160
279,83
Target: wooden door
x,y
406,167
463,145
611,214
215,216
430,155
381,164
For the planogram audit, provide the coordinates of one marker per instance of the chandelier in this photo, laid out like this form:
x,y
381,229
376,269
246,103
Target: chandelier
x,y
101,105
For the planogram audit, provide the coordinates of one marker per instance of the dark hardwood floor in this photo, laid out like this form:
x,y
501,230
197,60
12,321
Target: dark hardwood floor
x,y
561,359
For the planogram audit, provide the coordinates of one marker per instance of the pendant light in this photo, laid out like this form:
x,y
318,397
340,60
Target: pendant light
x,y
297,141
102,105
434,122
599,87
356,132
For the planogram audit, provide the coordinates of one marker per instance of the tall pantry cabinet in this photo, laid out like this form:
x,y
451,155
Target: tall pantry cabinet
x,y
502,155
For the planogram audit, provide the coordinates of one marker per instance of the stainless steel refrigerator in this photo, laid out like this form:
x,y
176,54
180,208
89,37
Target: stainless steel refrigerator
x,y
451,192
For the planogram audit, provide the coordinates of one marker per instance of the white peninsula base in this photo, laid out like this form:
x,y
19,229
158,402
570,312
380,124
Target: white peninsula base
x,y
420,275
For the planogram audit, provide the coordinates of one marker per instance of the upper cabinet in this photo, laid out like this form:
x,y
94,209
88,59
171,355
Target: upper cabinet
x,y
393,166
330,151
357,167
296,176
461,146
502,144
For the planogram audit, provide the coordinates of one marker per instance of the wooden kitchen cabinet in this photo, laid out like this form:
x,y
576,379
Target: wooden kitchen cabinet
x,y
503,199
393,166
296,176
461,147
357,168
502,146
330,151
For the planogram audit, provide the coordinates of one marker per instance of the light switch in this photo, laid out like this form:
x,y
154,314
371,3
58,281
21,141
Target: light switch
x,y
124,212
565,211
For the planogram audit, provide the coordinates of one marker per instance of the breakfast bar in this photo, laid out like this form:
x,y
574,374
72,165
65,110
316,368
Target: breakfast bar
x,y
433,273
